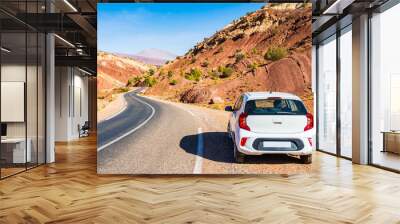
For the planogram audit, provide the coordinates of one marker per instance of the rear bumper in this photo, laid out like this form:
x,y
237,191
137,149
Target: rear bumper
x,y
300,140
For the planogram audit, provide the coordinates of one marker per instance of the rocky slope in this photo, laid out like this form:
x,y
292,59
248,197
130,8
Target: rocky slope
x,y
267,50
114,71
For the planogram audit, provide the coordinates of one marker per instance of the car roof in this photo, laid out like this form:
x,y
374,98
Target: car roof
x,y
264,95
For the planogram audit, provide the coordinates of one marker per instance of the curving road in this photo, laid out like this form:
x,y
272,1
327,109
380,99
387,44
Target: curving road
x,y
157,137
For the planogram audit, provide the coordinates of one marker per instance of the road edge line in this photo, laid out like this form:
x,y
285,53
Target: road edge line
x,y
198,166
121,110
134,129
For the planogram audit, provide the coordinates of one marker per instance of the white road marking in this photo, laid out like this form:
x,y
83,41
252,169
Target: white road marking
x,y
131,131
120,111
200,152
190,112
185,109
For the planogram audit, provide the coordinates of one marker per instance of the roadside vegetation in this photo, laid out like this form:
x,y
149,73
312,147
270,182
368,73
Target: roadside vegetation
x,y
149,81
170,74
205,64
121,90
194,74
225,72
252,67
275,53
151,71
146,81
239,56
173,82
214,75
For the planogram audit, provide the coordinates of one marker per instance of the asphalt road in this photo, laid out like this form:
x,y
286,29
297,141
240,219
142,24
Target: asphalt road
x,y
116,126
157,137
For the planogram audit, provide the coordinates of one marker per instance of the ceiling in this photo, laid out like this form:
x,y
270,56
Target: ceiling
x,y
332,15
73,21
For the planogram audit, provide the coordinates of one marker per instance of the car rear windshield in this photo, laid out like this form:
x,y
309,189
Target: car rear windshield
x,y
275,106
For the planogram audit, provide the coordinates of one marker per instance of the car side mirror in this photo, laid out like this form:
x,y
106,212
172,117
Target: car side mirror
x,y
229,108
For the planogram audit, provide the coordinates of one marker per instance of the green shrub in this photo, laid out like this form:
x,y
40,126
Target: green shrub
x,y
303,5
225,72
254,50
239,56
130,82
133,81
275,53
122,90
205,64
173,82
193,60
253,66
151,71
162,73
170,74
149,81
214,75
274,30
194,74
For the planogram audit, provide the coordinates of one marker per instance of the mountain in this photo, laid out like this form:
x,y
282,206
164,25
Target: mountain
x,y
114,70
156,53
266,50
153,56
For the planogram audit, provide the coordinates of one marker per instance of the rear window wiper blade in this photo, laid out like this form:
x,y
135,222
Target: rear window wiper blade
x,y
282,112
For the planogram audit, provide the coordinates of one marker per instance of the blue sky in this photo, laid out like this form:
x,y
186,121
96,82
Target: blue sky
x,y
174,27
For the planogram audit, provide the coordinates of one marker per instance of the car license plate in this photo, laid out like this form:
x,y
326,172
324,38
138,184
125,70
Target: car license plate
x,y
271,144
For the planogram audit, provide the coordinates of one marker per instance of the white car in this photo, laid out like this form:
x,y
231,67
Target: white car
x,y
271,123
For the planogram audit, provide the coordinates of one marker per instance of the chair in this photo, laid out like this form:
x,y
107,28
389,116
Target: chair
x,y
84,130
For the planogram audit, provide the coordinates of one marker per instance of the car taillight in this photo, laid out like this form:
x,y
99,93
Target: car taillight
x,y
310,122
242,122
243,141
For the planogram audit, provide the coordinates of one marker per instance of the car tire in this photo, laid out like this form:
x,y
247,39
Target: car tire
x,y
239,157
306,159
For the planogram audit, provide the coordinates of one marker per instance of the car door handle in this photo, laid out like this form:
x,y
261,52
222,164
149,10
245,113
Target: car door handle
x,y
277,122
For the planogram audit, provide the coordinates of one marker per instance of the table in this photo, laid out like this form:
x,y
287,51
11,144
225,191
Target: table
x,y
19,155
391,141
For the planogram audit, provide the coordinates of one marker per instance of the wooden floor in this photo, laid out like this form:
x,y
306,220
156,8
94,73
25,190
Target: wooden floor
x,y
70,191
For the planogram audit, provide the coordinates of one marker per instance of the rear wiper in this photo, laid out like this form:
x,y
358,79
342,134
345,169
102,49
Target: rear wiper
x,y
282,112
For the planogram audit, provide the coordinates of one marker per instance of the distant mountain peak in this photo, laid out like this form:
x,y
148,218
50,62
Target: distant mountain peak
x,y
156,54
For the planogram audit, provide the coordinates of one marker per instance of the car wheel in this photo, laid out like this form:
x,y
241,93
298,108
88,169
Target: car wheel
x,y
306,159
239,157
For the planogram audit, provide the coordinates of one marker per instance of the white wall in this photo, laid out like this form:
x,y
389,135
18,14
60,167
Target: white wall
x,y
71,87
14,73
62,81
